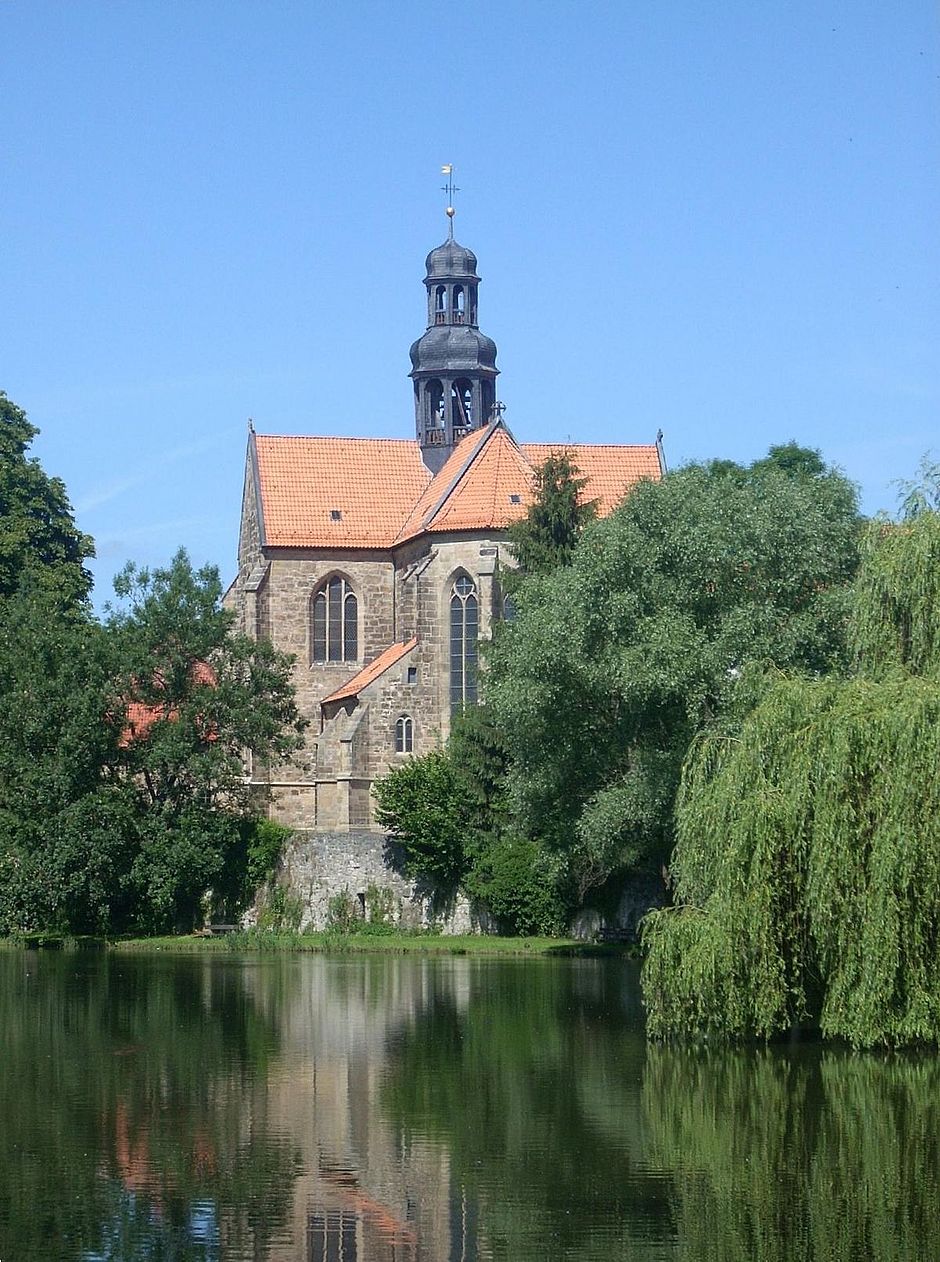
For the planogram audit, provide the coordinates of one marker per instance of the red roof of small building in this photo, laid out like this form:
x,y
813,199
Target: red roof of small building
x,y
376,492
141,715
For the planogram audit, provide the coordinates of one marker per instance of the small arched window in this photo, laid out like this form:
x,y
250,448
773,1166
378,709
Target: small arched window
x,y
404,735
440,305
464,626
334,623
459,303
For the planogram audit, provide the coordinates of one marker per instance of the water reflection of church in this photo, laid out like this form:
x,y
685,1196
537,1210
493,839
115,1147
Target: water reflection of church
x,y
365,1191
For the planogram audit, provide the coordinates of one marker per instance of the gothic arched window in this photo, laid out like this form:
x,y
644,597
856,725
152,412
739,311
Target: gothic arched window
x,y
404,735
464,625
334,622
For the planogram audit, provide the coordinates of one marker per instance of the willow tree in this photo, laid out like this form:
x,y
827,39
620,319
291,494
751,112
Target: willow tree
x,y
807,863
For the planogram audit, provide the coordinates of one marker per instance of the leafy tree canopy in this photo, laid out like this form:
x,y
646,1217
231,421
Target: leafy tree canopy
x,y
449,819
615,660
204,697
422,806
65,823
123,798
40,545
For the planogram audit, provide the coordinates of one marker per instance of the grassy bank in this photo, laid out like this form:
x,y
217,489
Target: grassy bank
x,y
389,943
386,943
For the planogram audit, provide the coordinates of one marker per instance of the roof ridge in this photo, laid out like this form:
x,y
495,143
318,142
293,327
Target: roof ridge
x,y
458,477
340,438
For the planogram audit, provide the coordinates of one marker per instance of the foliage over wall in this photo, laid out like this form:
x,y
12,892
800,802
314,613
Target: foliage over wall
x,y
807,865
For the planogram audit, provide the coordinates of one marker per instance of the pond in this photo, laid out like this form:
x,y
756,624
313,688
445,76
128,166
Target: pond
x,y
305,1108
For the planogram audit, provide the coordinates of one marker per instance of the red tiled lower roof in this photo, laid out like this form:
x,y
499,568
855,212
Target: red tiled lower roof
x,y
142,715
352,688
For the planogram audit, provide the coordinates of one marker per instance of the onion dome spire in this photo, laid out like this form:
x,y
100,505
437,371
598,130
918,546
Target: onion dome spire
x,y
453,364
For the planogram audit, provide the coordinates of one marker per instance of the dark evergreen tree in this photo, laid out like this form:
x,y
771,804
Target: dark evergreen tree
x,y
545,538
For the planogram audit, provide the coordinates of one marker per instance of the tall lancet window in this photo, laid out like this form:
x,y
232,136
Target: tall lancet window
x,y
334,623
464,627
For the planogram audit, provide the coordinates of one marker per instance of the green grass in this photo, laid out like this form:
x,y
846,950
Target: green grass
x,y
394,943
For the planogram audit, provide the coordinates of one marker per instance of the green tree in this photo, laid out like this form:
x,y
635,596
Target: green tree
x,y
545,538
422,806
807,863
448,817
65,824
200,697
616,660
40,545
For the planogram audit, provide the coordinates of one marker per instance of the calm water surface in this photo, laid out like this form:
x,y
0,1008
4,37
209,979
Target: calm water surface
x,y
388,1109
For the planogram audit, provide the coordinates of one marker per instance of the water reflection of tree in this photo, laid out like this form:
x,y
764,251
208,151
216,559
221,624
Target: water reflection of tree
x,y
779,1156
125,1093
510,1082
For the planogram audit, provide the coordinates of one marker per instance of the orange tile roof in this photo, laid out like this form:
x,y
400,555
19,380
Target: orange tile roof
x,y
446,476
352,688
371,482
610,468
383,493
482,497
142,715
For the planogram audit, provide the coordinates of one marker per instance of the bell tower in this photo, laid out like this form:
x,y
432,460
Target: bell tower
x,y
453,364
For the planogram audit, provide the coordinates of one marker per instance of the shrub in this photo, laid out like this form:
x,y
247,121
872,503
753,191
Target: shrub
x,y
511,880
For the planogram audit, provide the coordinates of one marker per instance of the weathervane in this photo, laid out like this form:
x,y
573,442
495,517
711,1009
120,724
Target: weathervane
x,y
450,189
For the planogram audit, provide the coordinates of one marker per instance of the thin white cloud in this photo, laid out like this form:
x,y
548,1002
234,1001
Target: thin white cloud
x,y
112,490
110,545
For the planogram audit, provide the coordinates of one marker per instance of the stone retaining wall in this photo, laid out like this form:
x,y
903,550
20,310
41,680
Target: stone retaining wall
x,y
317,866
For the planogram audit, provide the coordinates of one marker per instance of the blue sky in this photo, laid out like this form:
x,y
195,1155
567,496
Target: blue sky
x,y
720,219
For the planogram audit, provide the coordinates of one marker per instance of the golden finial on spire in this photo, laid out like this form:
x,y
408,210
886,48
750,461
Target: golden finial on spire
x,y
450,189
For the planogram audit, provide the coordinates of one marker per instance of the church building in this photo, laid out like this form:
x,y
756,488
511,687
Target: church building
x,y
377,562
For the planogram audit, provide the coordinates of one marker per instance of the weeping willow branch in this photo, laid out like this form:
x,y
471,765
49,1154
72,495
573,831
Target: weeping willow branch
x,y
807,864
